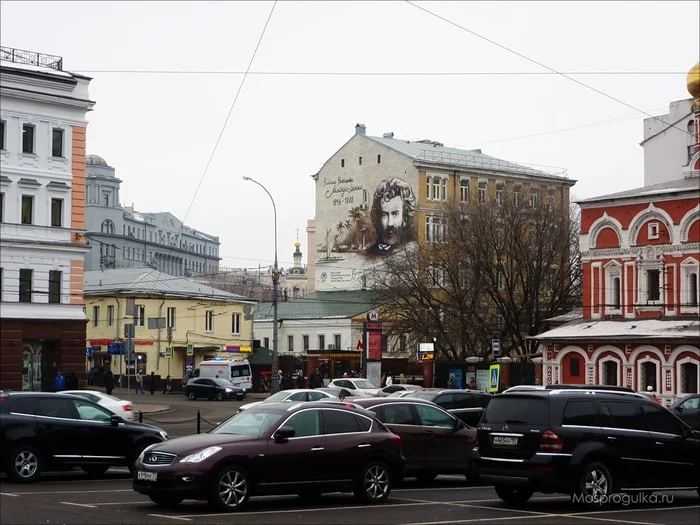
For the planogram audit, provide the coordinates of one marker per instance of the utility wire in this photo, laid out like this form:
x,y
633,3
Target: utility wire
x,y
552,70
369,73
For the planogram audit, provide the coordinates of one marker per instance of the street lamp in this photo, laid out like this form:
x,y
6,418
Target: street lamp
x,y
274,386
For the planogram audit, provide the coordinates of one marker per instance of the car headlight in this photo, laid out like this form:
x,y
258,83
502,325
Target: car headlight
x,y
143,452
163,434
229,390
201,455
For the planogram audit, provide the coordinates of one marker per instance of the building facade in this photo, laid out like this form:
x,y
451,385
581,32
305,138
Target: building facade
x,y
214,322
42,209
121,237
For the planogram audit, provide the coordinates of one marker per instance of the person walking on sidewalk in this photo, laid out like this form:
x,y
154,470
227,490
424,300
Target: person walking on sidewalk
x,y
167,388
139,382
153,383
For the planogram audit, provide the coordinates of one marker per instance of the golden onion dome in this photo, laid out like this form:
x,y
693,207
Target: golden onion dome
x,y
693,83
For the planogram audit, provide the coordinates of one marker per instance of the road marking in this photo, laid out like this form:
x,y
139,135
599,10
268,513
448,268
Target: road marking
x,y
178,517
121,503
441,489
8,494
78,504
634,510
27,493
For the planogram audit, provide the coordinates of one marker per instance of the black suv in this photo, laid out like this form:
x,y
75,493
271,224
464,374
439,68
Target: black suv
x,y
587,442
467,405
45,431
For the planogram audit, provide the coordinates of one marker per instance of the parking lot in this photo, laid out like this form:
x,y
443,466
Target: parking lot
x,y
72,498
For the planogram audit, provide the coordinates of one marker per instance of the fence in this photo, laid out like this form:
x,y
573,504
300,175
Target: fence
x,y
197,420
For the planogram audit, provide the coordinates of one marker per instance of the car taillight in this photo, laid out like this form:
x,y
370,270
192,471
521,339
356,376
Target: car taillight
x,y
395,438
550,442
126,408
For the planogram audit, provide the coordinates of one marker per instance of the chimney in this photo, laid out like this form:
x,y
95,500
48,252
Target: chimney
x,y
360,129
389,135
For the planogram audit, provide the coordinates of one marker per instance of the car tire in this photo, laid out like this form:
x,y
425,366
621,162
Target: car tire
x,y
513,495
594,485
219,397
95,470
166,501
230,488
24,464
373,484
191,396
426,476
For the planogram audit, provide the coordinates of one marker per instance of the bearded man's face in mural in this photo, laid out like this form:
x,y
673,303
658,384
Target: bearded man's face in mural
x,y
393,209
391,221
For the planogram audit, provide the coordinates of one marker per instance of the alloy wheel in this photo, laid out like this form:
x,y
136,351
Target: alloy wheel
x,y
26,464
233,488
596,484
376,482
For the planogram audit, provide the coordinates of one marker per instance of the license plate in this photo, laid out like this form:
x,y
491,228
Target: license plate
x,y
147,476
503,440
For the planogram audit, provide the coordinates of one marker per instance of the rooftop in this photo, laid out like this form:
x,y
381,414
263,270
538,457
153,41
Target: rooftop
x,y
686,184
319,305
30,58
589,329
140,281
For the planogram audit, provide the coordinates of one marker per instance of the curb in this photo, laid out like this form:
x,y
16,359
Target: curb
x,y
157,410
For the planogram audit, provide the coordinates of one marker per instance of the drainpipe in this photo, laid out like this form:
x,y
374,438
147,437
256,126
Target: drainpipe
x,y
160,314
119,319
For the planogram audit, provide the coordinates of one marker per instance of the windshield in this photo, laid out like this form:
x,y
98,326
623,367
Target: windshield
x,y
428,396
240,370
533,410
276,398
363,383
223,382
249,423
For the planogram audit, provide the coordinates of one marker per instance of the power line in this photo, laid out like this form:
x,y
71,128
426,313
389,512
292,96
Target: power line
x,y
371,73
552,70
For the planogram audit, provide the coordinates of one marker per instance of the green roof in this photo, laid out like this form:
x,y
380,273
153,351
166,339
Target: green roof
x,y
320,305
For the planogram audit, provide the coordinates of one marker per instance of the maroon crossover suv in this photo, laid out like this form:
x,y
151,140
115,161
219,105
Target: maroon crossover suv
x,y
275,448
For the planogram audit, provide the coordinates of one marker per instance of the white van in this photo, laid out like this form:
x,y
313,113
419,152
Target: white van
x,y
235,370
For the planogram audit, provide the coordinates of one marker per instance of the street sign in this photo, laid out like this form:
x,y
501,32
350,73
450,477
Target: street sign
x,y
425,356
88,352
115,349
494,378
426,348
168,352
496,347
190,349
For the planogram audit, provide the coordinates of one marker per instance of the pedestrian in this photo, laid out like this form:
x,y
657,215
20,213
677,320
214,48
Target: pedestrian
x,y
139,382
59,383
389,379
280,379
301,382
402,379
472,383
71,381
167,388
345,375
316,380
91,377
288,382
451,382
109,382
153,383
383,382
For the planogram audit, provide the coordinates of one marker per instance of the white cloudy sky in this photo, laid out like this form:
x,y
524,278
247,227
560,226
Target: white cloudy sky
x,y
159,129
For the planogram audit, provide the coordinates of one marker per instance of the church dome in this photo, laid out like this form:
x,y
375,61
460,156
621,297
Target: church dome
x,y
95,160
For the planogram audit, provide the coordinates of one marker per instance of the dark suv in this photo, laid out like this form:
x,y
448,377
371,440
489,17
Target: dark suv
x,y
467,405
45,431
589,443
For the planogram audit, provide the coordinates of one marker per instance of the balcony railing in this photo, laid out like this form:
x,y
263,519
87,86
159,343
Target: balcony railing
x,y
20,56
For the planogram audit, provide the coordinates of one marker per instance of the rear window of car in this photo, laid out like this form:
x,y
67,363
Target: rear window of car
x,y
25,405
521,409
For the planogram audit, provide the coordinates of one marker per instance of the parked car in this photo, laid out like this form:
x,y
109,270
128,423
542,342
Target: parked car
x,y
523,388
215,388
341,393
388,390
121,407
688,409
291,395
433,440
356,384
467,405
587,443
275,448
43,431
400,393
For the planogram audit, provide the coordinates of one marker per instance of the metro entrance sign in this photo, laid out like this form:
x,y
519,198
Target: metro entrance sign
x,y
373,341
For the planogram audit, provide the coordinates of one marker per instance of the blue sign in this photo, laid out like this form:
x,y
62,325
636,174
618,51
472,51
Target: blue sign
x,y
115,349
88,352
496,347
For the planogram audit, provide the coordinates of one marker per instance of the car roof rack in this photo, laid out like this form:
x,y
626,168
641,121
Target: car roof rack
x,y
611,388
588,391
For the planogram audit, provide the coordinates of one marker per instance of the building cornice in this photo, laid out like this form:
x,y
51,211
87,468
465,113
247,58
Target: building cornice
x,y
668,249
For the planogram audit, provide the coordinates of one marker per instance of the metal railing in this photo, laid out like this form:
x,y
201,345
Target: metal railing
x,y
21,56
198,420
488,163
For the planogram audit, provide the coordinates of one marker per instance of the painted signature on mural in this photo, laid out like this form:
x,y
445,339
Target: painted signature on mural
x,y
340,186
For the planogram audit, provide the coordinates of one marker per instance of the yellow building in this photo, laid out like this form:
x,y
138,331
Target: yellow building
x,y
171,316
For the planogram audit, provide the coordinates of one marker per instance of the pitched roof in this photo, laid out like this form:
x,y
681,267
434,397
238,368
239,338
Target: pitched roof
x,y
591,329
686,184
319,305
435,153
138,281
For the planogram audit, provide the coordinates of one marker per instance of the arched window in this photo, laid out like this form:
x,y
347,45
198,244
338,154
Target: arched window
x,y
689,378
610,373
107,227
648,375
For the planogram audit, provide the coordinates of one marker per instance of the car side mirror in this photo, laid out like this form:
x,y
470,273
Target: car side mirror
x,y
459,424
115,420
679,408
282,434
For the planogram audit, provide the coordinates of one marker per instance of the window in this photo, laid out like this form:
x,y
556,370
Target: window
x,y
95,316
52,407
445,401
464,190
92,412
691,404
336,341
403,341
610,373
305,342
535,196
435,229
305,423
398,414
462,401
551,197
110,315
647,375
482,191
624,415
534,411
57,212
25,285
2,134
575,366
379,159
107,226
57,142
290,343
658,419
616,292
432,417
27,209
693,289
436,276
342,163
105,198
140,316
235,323
500,190
581,413
322,342
170,317
500,276
436,188
209,320
55,286
653,230
2,207
27,138
517,195
653,285
266,342
360,161
339,422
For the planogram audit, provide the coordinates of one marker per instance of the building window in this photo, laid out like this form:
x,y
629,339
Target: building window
x,y
690,292
57,212
360,161
235,323
25,285
342,163
653,285
610,373
95,316
209,321
110,315
336,341
266,342
575,366
482,191
534,196
403,342
435,229
170,317
653,230
693,289
290,343
322,342
27,209
2,135
436,276
27,138
305,342
689,380
140,316
500,190
105,198
436,188
500,276
551,197
55,286
464,191
647,376
379,159
57,142
2,207
616,292
613,287
517,195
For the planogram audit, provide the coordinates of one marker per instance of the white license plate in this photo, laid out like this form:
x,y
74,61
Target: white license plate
x,y
503,440
147,476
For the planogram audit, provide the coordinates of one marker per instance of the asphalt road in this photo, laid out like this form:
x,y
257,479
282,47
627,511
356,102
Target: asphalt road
x,y
71,498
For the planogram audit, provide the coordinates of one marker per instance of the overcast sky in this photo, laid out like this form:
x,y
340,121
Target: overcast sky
x,y
158,130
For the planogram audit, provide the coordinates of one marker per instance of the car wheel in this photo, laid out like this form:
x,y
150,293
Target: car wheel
x,y
95,470
191,396
230,488
373,485
595,485
166,501
219,397
24,465
513,495
426,476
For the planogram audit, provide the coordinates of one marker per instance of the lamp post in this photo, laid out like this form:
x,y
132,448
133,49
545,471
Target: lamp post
x,y
274,385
